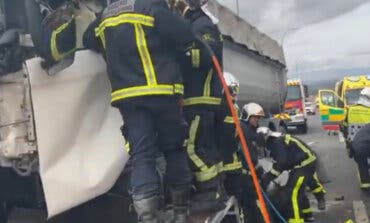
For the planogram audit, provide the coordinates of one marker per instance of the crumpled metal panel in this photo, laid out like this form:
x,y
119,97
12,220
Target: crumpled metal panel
x,y
80,145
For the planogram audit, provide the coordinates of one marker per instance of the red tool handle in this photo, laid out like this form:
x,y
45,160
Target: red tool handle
x,y
239,131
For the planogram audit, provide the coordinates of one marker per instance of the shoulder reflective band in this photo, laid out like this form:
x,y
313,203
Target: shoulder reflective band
x,y
54,46
147,90
132,18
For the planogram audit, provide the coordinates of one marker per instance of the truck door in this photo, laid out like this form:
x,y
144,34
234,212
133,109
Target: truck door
x,y
331,109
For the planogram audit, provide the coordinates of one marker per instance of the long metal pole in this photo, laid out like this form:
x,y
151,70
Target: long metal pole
x,y
237,7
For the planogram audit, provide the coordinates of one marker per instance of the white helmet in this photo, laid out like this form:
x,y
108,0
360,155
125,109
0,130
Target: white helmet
x,y
232,83
252,109
364,97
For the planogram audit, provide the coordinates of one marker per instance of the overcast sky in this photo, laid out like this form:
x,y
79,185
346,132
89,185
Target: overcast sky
x,y
319,35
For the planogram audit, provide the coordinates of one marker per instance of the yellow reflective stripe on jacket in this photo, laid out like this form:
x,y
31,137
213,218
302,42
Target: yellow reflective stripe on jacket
x,y
54,46
144,55
296,215
310,155
102,39
207,84
132,18
205,98
127,147
202,100
220,167
195,57
206,173
161,89
274,172
229,120
235,165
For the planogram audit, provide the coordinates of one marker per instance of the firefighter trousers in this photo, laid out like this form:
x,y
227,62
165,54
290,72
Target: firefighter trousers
x,y
201,147
154,125
363,170
295,202
241,186
315,185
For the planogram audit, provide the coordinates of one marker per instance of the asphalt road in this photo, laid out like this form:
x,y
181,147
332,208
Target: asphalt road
x,y
344,198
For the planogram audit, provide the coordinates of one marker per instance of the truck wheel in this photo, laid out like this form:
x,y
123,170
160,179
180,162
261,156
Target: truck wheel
x,y
303,128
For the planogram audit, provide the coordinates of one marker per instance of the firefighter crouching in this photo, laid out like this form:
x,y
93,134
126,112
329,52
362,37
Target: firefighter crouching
x,y
358,119
289,153
141,40
203,108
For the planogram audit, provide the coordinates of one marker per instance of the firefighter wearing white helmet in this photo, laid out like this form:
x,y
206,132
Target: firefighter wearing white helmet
x,y
251,113
357,117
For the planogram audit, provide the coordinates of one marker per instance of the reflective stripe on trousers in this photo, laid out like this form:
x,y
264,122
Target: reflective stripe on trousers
x,y
295,206
206,173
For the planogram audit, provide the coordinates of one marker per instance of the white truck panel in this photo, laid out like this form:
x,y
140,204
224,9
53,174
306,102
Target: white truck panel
x,y
80,145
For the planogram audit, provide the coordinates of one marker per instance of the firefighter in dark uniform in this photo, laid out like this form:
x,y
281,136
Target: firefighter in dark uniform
x,y
361,150
203,108
358,120
251,114
289,153
141,41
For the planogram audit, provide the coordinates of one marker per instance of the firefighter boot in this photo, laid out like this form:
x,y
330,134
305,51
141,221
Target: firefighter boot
x,y
308,217
321,202
180,201
147,209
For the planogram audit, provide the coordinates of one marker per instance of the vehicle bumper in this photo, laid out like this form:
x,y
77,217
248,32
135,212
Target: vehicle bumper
x,y
296,120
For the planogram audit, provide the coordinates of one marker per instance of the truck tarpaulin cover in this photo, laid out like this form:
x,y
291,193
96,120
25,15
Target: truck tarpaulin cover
x,y
78,133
